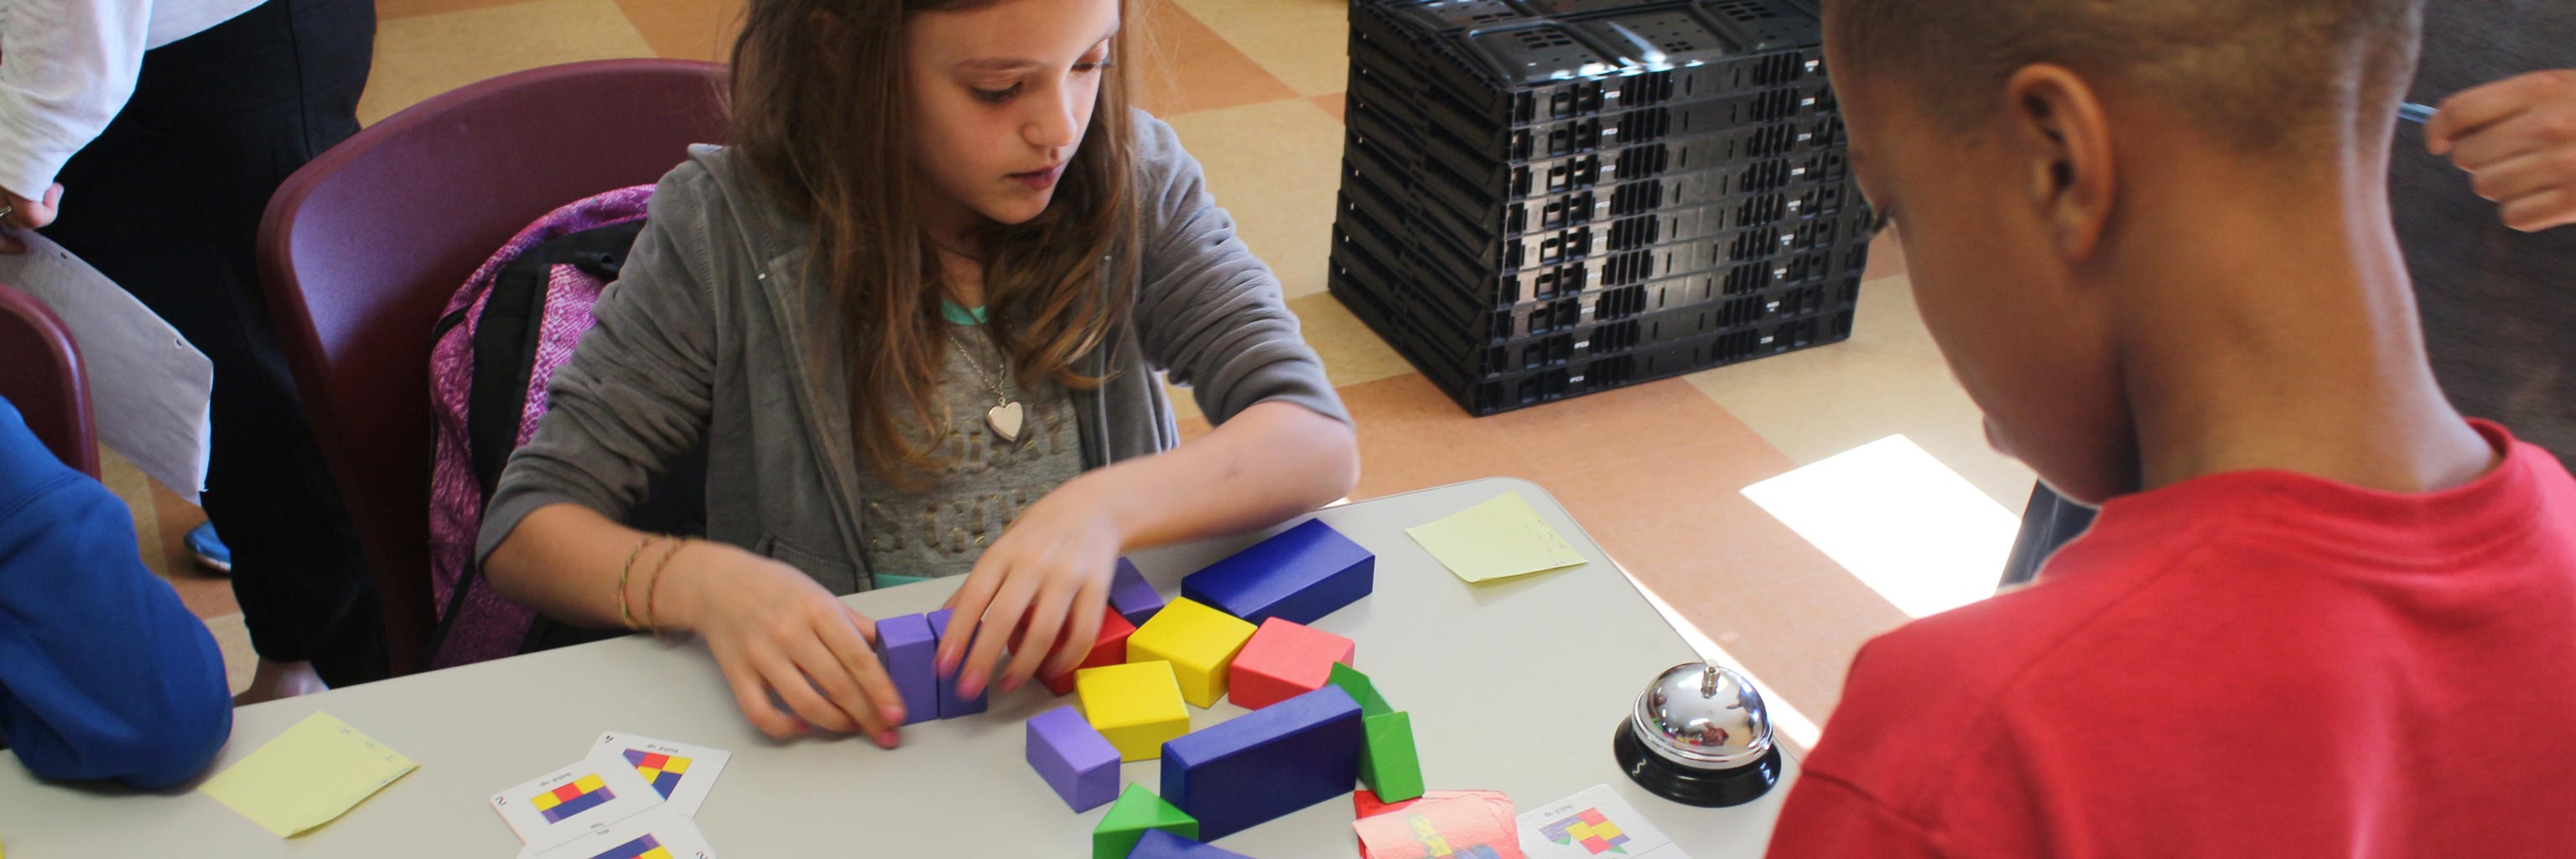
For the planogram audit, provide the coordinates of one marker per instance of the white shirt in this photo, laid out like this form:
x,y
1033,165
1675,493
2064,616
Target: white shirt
x,y
67,67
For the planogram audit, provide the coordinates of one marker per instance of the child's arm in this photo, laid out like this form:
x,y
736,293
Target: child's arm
x,y
634,395
1213,314
103,673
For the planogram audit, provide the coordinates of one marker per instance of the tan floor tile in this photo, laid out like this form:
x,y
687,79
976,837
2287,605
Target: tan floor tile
x,y
1276,167
134,490
1183,67
1886,258
174,518
687,29
1352,353
387,10
423,56
1304,42
1333,104
1888,379
231,637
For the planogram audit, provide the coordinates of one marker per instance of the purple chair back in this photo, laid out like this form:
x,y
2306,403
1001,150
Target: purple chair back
x,y
361,250
40,373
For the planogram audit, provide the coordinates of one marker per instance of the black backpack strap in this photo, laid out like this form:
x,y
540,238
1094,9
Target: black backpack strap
x,y
504,357
506,338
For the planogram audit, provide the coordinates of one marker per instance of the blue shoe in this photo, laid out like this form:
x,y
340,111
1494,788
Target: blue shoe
x,y
209,549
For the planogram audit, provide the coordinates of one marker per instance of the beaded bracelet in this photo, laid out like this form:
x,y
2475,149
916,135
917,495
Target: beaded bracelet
x,y
653,589
627,572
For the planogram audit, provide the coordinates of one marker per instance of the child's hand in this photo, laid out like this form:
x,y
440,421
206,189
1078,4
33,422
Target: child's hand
x,y
1052,565
773,628
2518,137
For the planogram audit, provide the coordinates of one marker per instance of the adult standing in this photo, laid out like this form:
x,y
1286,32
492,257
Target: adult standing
x,y
145,136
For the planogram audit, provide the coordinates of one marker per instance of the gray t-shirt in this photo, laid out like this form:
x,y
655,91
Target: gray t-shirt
x,y
2499,306
942,528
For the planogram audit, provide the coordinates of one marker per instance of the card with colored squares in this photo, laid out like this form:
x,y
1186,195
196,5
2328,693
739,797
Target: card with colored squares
x,y
655,834
681,773
574,801
1593,823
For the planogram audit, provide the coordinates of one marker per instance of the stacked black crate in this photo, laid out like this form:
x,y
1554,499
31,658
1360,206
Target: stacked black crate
x,y
1546,198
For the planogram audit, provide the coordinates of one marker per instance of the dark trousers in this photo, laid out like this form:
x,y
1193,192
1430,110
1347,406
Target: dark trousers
x,y
167,203
2046,524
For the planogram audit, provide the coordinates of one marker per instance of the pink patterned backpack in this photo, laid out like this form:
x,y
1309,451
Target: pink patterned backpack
x,y
504,333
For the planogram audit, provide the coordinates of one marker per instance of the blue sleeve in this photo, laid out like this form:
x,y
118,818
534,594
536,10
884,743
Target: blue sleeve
x,y
103,673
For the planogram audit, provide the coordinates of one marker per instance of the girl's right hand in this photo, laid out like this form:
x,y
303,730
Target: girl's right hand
x,y
773,629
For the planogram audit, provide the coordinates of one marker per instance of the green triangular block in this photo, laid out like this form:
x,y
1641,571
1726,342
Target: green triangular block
x,y
1362,691
1388,764
1135,811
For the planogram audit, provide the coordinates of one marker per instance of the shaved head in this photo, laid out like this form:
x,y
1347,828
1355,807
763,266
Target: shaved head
x,y
2270,77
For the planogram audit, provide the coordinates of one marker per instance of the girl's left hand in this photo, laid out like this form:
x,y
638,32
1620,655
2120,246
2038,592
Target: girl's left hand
x,y
1051,565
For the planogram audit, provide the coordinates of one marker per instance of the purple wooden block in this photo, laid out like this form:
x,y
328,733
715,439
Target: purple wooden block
x,y
1131,595
951,706
911,655
1158,844
1074,759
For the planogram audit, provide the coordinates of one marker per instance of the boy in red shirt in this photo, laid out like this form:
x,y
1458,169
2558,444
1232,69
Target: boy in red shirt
x,y
2321,614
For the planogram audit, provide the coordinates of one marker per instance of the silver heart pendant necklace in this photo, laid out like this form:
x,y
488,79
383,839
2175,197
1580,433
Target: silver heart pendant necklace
x,y
1007,416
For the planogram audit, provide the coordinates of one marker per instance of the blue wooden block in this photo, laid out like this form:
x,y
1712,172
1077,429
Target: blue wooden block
x,y
910,653
1263,765
1131,595
1158,844
951,706
1302,574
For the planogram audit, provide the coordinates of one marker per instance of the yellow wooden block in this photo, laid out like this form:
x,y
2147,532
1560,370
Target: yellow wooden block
x,y
1136,705
1199,641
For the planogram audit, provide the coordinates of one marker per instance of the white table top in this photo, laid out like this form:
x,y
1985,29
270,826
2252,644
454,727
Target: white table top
x,y
1514,686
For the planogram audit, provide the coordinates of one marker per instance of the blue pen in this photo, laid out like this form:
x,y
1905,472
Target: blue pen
x,y
2415,113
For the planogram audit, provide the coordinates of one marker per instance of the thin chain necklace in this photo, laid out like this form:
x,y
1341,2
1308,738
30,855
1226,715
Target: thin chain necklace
x,y
1006,416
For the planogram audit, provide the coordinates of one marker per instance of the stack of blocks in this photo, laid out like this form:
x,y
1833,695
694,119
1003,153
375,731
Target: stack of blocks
x,y
1137,706
1199,642
1388,763
1267,763
1109,648
950,704
910,654
1301,574
1138,811
1285,659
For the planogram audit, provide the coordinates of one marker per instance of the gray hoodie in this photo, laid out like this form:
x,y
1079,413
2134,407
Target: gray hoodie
x,y
710,334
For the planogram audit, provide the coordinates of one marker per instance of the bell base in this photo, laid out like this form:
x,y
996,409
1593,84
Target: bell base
x,y
1691,786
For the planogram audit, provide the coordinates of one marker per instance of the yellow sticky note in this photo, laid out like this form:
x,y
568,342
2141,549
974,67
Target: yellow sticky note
x,y
1498,539
308,776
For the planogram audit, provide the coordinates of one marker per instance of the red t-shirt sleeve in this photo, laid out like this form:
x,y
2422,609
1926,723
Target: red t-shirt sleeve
x,y
1828,818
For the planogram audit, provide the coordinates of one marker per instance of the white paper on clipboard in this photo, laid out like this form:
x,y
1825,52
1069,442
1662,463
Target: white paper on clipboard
x,y
149,387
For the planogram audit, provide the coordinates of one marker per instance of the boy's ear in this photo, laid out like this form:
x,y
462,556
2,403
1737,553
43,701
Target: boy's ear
x,y
2059,129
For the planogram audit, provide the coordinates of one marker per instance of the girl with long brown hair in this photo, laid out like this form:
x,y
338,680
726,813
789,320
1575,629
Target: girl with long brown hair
x,y
916,314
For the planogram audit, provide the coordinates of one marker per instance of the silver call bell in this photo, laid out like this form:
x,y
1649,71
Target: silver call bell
x,y
1700,736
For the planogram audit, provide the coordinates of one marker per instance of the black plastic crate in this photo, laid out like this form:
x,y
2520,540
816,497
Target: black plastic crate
x,y
1512,63
1481,397
1544,198
1554,332
1741,260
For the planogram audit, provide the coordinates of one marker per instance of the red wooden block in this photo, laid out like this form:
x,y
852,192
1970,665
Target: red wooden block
x,y
1109,649
1283,660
